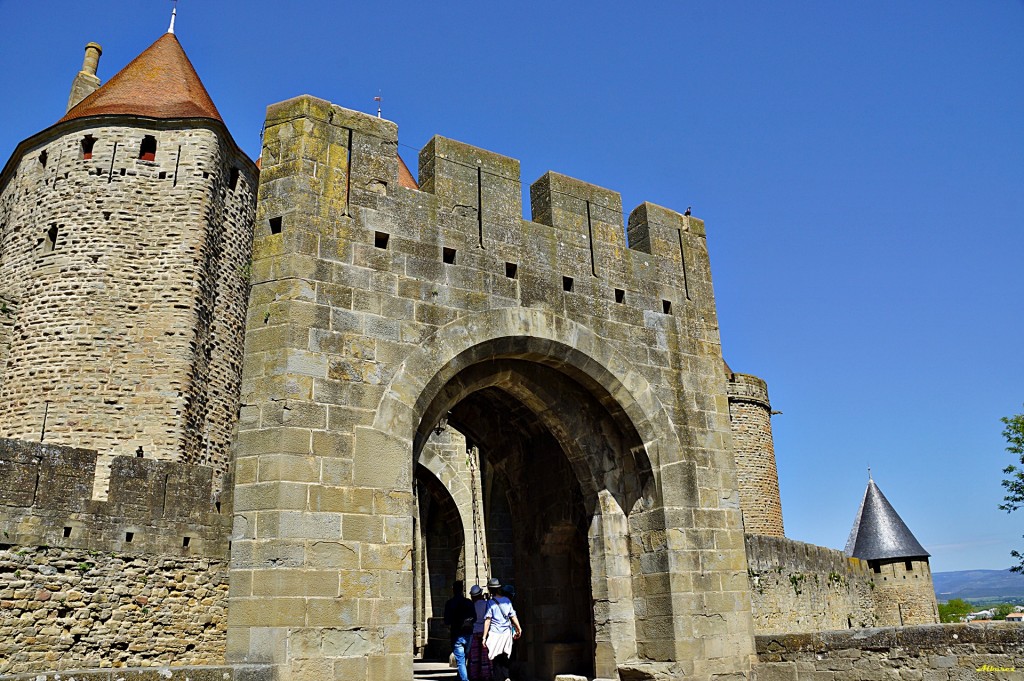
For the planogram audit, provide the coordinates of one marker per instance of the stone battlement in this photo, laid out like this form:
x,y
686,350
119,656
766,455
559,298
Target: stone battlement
x,y
749,388
470,201
156,507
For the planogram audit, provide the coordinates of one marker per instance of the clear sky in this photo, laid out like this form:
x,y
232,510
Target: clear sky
x,y
859,165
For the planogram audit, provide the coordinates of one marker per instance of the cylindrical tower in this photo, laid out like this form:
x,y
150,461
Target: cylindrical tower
x,y
750,415
125,234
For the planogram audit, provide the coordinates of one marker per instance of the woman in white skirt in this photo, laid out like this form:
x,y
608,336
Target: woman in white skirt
x,y
501,628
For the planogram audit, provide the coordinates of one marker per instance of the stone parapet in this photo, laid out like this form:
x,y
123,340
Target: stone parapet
x,y
747,387
154,507
797,587
940,652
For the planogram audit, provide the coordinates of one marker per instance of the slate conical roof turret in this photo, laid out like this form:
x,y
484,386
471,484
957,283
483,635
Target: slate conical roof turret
x,y
879,533
159,83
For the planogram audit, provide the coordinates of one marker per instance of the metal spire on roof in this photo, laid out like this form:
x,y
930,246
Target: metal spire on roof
x,y
174,13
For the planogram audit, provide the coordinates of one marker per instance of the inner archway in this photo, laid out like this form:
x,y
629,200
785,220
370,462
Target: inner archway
x,y
561,468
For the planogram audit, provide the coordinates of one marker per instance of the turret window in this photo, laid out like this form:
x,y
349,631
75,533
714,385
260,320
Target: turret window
x,y
233,179
147,150
50,239
42,159
87,143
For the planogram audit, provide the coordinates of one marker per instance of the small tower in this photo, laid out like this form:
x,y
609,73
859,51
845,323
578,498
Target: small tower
x,y
125,238
750,418
904,593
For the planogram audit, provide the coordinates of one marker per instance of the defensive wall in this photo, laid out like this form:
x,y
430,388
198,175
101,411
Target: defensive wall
x,y
124,251
938,652
137,580
797,587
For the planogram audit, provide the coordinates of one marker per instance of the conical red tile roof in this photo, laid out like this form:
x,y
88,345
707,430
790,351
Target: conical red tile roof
x,y
159,83
405,178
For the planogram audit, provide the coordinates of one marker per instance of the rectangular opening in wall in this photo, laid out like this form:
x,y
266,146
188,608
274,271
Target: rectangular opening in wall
x,y
448,256
380,239
620,295
666,306
567,283
42,158
276,224
163,175
67,532
233,179
875,566
87,144
909,565
511,270
185,542
147,150
50,240
129,536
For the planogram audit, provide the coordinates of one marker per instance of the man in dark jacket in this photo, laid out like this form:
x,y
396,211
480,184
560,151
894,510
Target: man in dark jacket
x,y
459,615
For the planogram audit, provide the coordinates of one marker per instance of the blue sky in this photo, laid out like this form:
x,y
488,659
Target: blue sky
x,y
860,167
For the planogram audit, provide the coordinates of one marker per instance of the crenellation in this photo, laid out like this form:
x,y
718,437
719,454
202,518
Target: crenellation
x,y
478,191
46,499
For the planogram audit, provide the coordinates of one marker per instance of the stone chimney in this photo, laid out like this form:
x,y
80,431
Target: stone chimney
x,y
86,81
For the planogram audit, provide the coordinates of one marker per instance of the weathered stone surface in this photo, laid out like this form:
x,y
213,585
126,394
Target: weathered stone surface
x,y
68,608
939,651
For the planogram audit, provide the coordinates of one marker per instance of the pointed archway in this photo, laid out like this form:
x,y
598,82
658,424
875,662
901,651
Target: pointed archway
x,y
562,468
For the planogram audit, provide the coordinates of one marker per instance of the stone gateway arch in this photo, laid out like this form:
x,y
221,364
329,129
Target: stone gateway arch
x,y
586,374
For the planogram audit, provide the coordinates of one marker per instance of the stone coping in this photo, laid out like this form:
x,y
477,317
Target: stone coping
x,y
775,647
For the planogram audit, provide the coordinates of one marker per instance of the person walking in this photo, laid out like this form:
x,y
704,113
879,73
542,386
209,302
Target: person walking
x,y
459,615
501,628
479,665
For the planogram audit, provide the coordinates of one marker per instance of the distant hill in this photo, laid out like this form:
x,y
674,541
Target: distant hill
x,y
983,585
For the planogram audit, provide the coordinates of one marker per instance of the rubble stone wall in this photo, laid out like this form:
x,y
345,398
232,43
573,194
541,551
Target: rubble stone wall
x,y
65,608
139,579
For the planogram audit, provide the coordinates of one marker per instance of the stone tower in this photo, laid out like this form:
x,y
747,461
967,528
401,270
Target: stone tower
x,y
750,414
125,237
904,593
